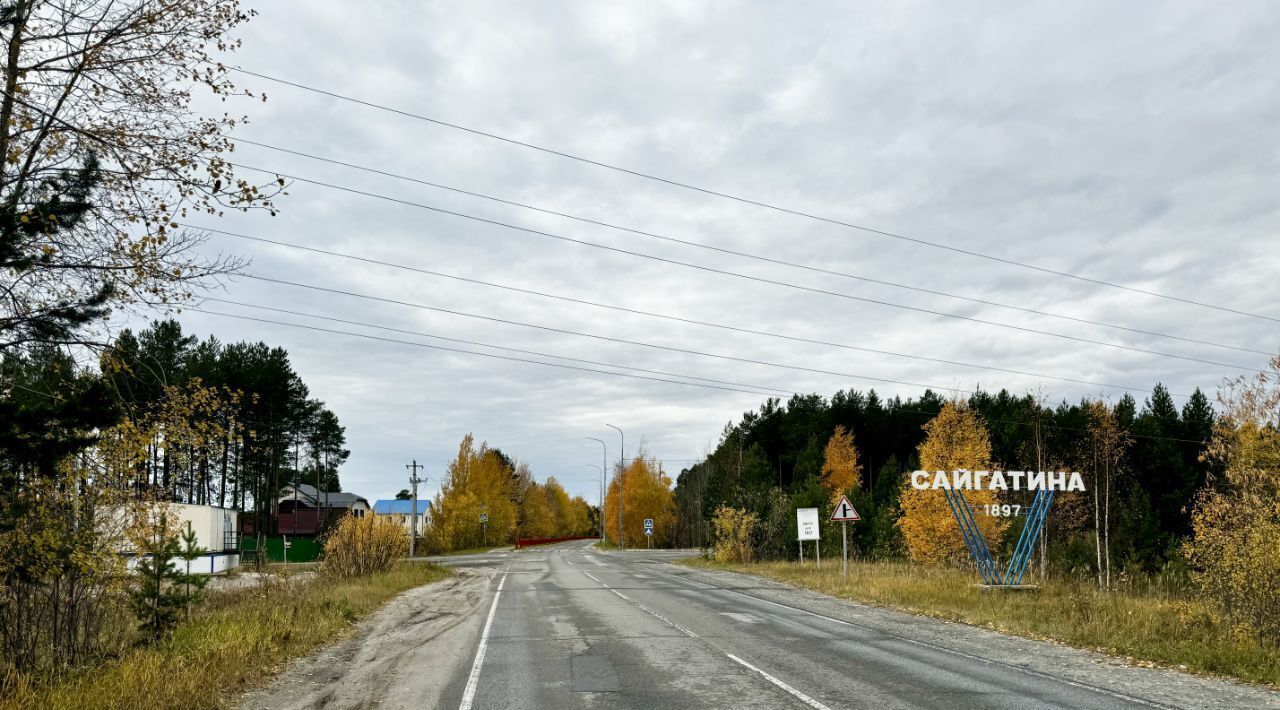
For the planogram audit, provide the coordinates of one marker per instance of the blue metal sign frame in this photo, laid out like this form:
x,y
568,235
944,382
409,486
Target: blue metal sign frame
x,y
991,573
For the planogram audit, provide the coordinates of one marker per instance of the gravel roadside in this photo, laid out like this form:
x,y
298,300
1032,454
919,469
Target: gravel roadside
x,y
401,657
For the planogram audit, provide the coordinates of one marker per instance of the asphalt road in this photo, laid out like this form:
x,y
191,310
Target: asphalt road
x,y
569,627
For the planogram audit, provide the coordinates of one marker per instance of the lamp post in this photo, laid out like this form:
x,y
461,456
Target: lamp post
x,y
604,454
622,467
600,517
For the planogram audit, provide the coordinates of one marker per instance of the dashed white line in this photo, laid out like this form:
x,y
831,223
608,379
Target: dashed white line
x,y
473,680
799,695
952,651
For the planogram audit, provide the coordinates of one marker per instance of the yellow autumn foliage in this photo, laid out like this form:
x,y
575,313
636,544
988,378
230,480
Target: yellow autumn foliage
x,y
955,439
1235,549
364,545
646,493
733,530
840,468
478,481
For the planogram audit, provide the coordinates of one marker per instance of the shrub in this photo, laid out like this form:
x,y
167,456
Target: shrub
x,y
733,530
359,546
1234,553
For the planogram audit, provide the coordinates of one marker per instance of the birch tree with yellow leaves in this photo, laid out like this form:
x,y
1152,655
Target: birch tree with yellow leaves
x,y
955,439
1234,551
646,493
840,468
478,481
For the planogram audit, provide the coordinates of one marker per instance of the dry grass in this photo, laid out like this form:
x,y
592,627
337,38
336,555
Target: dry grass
x,y
1146,626
237,640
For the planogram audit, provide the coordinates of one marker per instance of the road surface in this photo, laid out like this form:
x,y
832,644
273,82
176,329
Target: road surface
x,y
568,626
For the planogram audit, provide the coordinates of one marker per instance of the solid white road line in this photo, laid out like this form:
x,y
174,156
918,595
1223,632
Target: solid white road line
x,y
801,696
944,649
469,693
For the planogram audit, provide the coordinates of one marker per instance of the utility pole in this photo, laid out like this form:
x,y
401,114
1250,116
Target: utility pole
x,y
622,468
413,521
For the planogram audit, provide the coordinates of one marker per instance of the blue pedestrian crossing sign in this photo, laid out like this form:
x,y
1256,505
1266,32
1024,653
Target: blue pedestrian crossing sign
x,y
844,511
484,517
648,525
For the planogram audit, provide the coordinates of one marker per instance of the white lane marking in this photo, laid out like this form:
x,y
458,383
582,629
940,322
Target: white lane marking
x,y
571,564
952,651
740,617
473,680
597,561
801,696
643,608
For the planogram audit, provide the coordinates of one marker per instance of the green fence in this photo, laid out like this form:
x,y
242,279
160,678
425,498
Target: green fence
x,y
301,549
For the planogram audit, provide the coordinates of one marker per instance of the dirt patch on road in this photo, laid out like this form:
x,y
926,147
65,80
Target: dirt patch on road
x,y
389,662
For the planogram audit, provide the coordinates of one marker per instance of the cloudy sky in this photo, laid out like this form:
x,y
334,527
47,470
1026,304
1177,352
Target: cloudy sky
x,y
1135,143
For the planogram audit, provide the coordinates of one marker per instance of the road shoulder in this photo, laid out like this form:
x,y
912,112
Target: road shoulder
x,y
1159,687
406,653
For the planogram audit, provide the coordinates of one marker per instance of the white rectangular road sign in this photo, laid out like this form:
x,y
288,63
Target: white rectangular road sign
x,y
807,524
648,523
844,511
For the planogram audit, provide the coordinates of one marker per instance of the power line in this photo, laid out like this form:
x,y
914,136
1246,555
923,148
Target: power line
x,y
467,352
623,309
755,203
604,338
749,277
767,391
748,255
603,372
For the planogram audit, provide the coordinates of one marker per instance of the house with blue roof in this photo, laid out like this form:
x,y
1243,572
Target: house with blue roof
x,y
401,511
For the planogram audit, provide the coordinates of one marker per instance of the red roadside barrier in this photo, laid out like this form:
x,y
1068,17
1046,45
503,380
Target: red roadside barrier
x,y
531,541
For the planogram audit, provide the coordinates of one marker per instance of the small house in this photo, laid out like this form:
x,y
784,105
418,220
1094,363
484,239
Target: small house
x,y
402,512
302,510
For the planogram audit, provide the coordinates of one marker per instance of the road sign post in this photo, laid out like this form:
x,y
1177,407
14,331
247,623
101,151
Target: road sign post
x,y
807,529
648,532
844,513
484,528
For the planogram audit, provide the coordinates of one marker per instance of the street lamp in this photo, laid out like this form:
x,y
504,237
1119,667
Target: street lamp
x,y
622,467
600,517
604,454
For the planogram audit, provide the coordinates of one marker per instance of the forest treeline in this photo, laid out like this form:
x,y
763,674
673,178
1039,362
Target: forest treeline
x,y
482,480
263,428
86,452
220,424
771,462
1187,496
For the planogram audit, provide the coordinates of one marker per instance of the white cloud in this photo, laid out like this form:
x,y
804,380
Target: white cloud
x,y
1131,143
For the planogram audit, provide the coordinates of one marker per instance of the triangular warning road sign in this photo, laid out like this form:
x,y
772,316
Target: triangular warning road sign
x,y
844,510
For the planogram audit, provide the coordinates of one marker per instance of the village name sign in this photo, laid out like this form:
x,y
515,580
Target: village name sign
x,y
1046,485
964,480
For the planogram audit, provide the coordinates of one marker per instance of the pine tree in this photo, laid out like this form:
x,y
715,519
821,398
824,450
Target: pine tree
x,y
163,592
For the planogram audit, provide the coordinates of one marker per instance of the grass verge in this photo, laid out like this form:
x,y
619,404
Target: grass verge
x,y
1146,627
234,641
